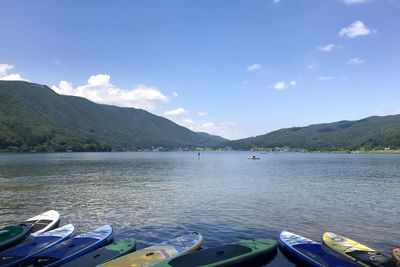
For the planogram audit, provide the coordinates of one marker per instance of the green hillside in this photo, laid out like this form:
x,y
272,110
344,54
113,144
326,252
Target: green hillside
x,y
23,130
370,133
42,112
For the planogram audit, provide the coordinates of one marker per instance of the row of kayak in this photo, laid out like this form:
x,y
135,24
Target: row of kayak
x,y
335,250
35,242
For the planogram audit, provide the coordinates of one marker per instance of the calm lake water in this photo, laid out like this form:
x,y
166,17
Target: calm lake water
x,y
156,196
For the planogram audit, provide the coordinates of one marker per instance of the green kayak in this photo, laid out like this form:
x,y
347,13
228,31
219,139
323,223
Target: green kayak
x,y
233,254
12,234
104,254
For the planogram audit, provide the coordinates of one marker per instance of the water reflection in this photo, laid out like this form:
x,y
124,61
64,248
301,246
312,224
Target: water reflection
x,y
157,196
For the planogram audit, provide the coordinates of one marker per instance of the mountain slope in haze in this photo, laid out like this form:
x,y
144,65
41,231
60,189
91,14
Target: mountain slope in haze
x,y
369,133
121,128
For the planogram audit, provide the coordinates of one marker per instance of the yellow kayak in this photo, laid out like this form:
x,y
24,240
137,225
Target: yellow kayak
x,y
151,255
362,255
396,254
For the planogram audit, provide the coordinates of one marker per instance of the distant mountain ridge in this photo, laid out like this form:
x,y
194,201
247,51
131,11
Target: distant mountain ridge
x,y
91,125
35,118
369,133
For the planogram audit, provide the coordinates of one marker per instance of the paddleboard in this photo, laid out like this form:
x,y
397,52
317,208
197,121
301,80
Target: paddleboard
x,y
310,252
44,222
104,254
234,254
35,245
12,234
357,252
72,248
396,254
159,252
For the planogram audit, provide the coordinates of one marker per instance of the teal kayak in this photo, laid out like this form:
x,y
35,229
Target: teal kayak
x,y
104,254
234,254
13,234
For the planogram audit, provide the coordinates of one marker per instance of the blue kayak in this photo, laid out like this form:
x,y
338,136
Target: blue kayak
x,y
35,245
72,248
310,252
12,234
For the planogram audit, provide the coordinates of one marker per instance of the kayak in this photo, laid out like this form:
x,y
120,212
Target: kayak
x,y
159,252
240,253
44,222
72,248
35,245
104,254
359,253
310,252
12,234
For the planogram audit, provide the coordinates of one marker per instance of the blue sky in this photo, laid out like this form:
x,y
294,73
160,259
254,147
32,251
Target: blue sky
x,y
232,68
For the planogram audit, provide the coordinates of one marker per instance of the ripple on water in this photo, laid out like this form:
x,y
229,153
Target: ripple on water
x,y
157,196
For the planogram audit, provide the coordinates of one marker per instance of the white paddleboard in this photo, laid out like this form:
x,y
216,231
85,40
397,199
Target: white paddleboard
x,y
44,222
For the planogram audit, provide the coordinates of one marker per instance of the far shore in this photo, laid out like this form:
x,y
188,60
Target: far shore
x,y
266,151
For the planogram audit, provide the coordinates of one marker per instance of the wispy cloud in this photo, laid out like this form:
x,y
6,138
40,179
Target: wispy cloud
x,y
355,60
6,76
175,112
175,94
355,29
186,122
254,67
276,1
327,48
99,89
325,78
352,2
311,66
282,85
202,113
226,129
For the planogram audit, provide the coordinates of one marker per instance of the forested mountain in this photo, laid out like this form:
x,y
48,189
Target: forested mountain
x,y
35,118
369,133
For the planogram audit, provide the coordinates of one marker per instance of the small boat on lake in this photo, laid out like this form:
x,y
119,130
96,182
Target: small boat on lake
x,y
254,158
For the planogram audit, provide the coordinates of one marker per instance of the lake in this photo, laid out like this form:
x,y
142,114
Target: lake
x,y
155,196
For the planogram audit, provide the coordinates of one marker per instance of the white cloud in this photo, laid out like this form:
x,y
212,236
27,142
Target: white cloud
x,y
245,83
327,48
175,112
226,129
186,122
100,90
208,125
311,66
307,120
325,78
277,1
352,2
355,60
254,67
202,114
4,68
282,85
175,94
5,76
355,29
